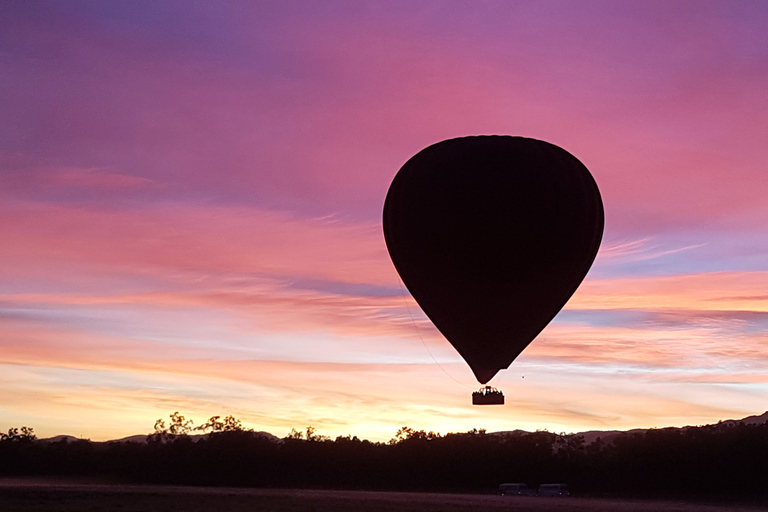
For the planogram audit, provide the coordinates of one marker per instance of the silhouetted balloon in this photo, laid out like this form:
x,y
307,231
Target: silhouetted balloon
x,y
492,235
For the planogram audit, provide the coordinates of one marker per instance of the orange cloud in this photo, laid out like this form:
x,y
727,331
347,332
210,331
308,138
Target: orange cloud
x,y
715,291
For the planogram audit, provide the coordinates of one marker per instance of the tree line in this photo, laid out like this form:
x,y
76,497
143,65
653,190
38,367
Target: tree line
x,y
723,460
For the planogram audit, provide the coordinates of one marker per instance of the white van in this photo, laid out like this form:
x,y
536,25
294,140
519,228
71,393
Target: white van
x,y
553,490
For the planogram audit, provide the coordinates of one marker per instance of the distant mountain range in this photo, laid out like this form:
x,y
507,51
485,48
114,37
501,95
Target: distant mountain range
x,y
589,436
143,438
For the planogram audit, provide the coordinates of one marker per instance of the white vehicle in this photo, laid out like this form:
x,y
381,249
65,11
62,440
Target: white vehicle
x,y
515,490
553,490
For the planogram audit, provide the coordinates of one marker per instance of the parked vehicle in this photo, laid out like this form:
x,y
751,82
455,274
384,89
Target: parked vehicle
x,y
516,489
553,490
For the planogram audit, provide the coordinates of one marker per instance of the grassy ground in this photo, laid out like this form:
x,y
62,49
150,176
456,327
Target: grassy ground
x,y
39,496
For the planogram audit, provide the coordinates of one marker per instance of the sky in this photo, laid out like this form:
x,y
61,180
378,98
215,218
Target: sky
x,y
191,198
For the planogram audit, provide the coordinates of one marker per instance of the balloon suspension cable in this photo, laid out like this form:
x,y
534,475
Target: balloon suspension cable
x,y
416,326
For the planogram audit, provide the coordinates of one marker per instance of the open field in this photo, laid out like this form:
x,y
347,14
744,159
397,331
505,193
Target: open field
x,y
18,495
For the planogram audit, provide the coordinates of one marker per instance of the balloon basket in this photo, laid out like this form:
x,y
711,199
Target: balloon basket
x,y
488,396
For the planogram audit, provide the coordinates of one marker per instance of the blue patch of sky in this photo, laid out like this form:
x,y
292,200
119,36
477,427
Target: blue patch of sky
x,y
741,321
756,322
689,252
605,318
749,321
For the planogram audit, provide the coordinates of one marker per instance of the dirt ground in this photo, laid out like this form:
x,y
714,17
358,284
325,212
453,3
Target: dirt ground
x,y
17,495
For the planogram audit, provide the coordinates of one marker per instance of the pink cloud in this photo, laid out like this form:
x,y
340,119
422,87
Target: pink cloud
x,y
696,348
96,178
204,241
71,184
716,291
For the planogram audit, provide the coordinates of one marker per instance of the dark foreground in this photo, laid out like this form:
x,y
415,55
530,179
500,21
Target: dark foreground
x,y
47,496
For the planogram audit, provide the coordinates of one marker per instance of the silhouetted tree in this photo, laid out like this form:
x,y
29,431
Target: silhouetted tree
x,y
215,424
295,435
16,435
714,461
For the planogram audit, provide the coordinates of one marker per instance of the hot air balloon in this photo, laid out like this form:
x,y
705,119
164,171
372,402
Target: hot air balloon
x,y
492,235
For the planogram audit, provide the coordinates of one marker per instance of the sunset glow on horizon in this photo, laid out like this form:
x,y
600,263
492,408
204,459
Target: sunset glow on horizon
x,y
191,200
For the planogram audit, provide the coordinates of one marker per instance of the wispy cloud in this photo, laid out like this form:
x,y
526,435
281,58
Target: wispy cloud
x,y
637,250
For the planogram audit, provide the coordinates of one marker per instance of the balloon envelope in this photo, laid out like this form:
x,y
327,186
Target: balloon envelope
x,y
492,235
